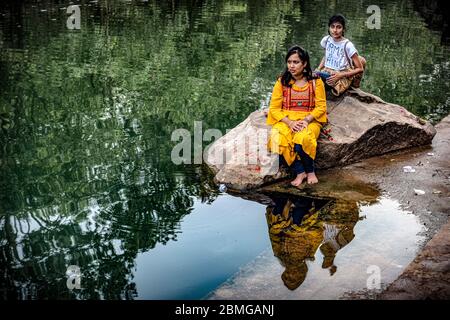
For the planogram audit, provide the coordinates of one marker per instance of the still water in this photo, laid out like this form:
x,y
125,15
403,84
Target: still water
x,y
86,118
361,258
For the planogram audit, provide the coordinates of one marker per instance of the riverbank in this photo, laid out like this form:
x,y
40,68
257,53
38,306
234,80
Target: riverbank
x,y
428,276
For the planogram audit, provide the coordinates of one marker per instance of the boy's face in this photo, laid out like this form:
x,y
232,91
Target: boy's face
x,y
336,30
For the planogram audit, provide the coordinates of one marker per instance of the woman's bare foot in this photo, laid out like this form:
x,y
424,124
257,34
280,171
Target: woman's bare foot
x,y
299,179
311,178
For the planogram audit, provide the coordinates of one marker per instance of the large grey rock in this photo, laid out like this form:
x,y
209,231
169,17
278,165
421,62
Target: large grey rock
x,y
362,126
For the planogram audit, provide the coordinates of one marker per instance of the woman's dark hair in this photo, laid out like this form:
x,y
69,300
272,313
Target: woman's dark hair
x,y
286,77
339,18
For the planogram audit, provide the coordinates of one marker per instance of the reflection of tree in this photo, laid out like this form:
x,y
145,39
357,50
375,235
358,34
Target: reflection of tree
x,y
325,224
102,236
38,270
435,16
85,173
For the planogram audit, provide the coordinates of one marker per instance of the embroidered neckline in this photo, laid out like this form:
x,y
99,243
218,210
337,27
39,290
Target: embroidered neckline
x,y
302,88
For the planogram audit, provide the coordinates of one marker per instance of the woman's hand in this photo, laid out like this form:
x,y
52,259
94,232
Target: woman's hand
x,y
299,125
331,81
303,124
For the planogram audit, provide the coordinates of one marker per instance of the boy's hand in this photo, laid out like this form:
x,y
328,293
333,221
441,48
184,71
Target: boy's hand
x,y
334,78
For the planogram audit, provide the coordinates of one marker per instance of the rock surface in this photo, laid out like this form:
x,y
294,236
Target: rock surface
x,y
362,126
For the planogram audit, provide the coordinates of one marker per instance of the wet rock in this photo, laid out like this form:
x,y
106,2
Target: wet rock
x,y
240,158
335,186
362,126
428,276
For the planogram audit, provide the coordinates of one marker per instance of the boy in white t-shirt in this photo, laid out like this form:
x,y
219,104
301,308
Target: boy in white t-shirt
x,y
341,67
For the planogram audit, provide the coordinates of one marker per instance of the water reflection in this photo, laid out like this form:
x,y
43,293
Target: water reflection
x,y
102,234
333,259
299,226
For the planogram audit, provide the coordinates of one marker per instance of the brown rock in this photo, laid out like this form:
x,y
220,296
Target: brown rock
x,y
362,126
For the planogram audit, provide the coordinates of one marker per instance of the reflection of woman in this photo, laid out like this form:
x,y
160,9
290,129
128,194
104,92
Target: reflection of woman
x,y
294,245
288,215
299,226
297,111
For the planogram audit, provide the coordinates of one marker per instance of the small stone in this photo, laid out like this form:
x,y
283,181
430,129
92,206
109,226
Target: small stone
x,y
419,192
408,169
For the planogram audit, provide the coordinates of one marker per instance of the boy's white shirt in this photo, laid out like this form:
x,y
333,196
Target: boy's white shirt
x,y
334,53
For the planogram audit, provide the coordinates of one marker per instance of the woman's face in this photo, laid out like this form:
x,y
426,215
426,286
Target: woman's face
x,y
336,30
295,65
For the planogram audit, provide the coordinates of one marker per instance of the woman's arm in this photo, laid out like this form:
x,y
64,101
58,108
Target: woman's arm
x,y
358,67
290,123
320,110
323,44
276,112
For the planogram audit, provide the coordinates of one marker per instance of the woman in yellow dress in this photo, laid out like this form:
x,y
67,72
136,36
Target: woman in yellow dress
x,y
297,112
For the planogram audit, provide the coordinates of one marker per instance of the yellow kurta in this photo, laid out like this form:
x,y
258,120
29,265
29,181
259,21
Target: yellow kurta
x,y
282,139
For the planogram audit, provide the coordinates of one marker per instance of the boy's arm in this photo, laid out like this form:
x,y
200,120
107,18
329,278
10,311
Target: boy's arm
x,y
322,64
358,67
339,75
